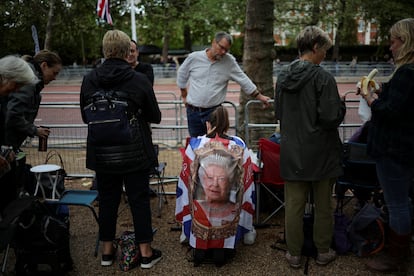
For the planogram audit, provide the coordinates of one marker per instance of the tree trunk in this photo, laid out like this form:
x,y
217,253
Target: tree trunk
x,y
48,36
258,58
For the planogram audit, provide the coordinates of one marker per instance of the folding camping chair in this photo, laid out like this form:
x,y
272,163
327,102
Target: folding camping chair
x,y
84,198
268,177
360,175
159,175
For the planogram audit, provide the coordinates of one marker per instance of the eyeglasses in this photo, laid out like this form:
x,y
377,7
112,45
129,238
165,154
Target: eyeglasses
x,y
226,50
215,179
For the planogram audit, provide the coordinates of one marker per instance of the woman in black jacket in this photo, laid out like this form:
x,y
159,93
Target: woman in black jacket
x,y
115,163
391,144
22,107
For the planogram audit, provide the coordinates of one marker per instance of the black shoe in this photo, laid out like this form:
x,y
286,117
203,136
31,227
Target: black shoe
x,y
198,256
107,260
148,262
219,257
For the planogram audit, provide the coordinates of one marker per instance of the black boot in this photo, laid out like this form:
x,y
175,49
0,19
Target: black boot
x,y
396,257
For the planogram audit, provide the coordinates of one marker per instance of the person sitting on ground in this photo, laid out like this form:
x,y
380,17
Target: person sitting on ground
x,y
216,183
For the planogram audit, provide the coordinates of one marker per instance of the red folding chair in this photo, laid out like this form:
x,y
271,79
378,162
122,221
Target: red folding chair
x,y
268,176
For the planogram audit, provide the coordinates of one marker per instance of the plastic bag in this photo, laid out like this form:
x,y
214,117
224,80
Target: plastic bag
x,y
364,111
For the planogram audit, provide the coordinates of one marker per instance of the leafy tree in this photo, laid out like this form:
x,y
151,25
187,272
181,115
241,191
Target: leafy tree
x,y
386,13
16,20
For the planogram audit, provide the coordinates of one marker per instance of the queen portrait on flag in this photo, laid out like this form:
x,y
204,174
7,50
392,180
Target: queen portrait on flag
x,y
215,193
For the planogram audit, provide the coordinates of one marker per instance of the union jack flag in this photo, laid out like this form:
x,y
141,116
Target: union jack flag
x,y
184,206
102,9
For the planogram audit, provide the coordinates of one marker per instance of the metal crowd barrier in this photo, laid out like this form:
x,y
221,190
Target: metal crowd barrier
x,y
170,71
348,127
68,134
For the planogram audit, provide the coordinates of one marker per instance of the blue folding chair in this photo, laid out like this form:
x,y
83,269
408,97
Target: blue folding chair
x,y
80,198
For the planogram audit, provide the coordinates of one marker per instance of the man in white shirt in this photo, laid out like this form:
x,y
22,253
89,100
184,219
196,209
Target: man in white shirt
x,y
203,79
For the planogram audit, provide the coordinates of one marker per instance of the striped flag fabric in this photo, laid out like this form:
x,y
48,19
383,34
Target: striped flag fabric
x,y
102,9
184,204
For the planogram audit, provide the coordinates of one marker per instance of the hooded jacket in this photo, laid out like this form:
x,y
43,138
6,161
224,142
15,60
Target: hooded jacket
x,y
310,110
117,75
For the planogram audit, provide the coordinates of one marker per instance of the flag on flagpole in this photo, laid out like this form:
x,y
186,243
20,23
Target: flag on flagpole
x,y
103,11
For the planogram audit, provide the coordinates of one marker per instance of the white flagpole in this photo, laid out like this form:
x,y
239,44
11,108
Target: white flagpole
x,y
133,27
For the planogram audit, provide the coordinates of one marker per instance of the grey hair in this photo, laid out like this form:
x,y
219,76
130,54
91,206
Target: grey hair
x,y
220,35
311,36
15,69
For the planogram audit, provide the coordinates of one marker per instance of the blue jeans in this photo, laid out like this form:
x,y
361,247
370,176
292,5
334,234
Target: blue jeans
x,y
197,121
137,190
396,181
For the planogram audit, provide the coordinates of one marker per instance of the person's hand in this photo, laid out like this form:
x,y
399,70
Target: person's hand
x,y
4,166
372,87
7,156
43,132
184,100
264,99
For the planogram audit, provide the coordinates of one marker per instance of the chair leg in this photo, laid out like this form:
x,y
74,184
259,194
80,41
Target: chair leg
x,y
281,202
257,203
96,246
97,237
5,257
161,194
160,189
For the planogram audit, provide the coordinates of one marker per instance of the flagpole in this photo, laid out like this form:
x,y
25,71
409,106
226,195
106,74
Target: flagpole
x,y
133,27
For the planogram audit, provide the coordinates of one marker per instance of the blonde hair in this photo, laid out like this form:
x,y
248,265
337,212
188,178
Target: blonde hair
x,y
116,44
404,30
15,69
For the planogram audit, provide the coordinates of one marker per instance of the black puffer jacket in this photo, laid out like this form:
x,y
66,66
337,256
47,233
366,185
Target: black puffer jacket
x,y
117,75
310,111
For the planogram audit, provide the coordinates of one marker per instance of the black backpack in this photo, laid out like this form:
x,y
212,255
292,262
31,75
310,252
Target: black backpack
x,y
41,237
108,110
119,134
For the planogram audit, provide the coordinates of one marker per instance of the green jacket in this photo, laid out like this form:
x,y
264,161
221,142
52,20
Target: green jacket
x,y
310,111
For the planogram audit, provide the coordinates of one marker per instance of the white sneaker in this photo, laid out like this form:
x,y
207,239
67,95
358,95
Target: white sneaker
x,y
250,237
183,238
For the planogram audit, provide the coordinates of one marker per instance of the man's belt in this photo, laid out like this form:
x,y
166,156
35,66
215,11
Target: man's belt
x,y
200,109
